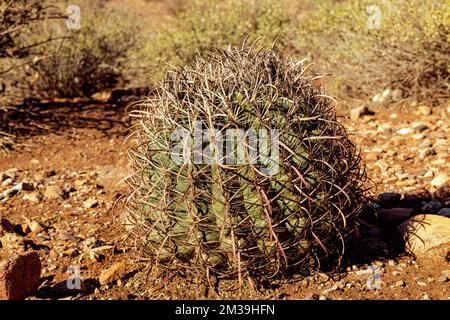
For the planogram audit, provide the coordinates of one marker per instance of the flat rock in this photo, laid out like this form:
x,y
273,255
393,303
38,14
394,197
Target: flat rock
x,y
19,276
426,235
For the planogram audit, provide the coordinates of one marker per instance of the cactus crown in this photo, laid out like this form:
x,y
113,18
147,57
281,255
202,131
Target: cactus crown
x,y
240,167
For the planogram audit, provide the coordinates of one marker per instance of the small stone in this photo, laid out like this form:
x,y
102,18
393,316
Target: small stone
x,y
386,199
396,273
25,228
392,263
102,96
444,212
357,113
38,177
438,162
112,274
36,227
421,127
424,110
7,182
13,191
425,297
91,203
34,163
53,192
404,131
397,94
79,183
426,152
400,284
446,273
442,279
19,276
371,156
34,197
428,174
440,180
432,206
383,165
421,283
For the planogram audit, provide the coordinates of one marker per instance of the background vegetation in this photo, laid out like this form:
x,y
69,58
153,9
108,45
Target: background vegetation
x,y
409,52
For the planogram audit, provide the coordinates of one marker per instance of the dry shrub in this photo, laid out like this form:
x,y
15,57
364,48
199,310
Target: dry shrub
x,y
203,25
409,52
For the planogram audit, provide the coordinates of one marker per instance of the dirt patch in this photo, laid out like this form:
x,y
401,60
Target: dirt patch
x,y
71,145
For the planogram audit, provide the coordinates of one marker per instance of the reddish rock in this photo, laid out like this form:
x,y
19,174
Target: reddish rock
x,y
112,274
19,276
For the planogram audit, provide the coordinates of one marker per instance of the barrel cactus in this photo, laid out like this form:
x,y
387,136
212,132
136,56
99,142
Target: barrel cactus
x,y
241,168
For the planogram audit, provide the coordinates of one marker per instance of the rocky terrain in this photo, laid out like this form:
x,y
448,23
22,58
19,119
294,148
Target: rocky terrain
x,y
60,191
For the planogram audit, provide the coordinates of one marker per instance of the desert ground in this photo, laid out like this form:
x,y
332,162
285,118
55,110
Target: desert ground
x,y
62,189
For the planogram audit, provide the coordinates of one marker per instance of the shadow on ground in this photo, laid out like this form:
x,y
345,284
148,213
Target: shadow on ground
x,y
34,117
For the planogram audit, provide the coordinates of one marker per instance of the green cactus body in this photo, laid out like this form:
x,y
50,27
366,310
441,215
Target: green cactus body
x,y
266,199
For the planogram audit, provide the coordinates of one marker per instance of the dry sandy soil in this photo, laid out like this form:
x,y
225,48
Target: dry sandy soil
x,y
71,156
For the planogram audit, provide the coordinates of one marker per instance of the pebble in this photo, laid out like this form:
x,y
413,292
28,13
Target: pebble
x,y
424,110
400,284
392,263
442,279
34,197
36,227
404,131
91,203
357,113
440,180
421,127
444,212
426,152
52,192
34,163
433,206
